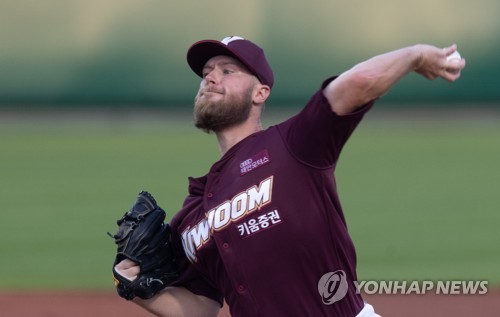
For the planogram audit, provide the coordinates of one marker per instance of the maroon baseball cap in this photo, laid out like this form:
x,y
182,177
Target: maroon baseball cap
x,y
248,53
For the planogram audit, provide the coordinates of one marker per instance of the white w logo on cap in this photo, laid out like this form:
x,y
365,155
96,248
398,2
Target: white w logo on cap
x,y
229,39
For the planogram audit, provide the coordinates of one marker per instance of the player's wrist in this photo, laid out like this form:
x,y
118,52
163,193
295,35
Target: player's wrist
x,y
416,56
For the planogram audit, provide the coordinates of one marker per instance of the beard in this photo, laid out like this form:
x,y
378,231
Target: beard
x,y
210,115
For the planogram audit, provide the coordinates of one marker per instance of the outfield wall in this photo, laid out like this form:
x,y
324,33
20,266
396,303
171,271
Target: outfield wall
x,y
126,52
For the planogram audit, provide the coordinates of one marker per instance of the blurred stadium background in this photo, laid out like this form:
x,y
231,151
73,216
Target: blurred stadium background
x,y
130,52
95,105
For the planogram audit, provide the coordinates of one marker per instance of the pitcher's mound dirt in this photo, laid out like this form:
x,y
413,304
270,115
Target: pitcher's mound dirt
x,y
100,304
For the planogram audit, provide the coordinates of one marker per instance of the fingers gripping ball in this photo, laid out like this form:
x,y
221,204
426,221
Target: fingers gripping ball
x,y
144,238
454,57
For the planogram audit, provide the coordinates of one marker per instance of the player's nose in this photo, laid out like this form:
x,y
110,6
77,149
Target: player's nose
x,y
210,77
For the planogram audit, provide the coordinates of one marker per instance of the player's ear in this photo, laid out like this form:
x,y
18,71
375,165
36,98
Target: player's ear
x,y
261,93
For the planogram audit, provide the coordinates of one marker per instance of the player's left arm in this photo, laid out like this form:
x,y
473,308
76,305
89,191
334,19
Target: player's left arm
x,y
374,77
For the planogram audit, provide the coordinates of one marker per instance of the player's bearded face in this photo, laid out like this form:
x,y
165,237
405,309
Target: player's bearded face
x,y
226,110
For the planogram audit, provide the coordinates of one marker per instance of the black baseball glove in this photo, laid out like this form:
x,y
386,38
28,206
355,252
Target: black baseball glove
x,y
144,238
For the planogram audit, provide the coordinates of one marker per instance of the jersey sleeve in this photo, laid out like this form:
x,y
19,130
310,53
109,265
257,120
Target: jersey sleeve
x,y
189,276
317,135
191,280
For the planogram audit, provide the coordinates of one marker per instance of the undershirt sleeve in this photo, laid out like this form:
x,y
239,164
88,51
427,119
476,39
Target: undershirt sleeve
x,y
317,135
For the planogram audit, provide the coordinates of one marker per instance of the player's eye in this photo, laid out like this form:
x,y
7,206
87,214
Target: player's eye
x,y
228,71
206,71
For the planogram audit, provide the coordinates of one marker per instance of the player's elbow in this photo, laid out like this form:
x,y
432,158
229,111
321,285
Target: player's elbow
x,y
367,85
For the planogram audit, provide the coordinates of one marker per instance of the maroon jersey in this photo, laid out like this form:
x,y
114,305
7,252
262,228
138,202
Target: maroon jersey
x,y
265,224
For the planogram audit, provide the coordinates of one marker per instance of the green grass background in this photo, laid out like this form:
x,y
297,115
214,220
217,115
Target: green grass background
x,y
420,191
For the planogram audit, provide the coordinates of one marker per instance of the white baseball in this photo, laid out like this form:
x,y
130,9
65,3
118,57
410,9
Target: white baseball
x,y
455,56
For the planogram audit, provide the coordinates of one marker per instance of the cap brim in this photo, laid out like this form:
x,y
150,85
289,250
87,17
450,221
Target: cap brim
x,y
200,52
